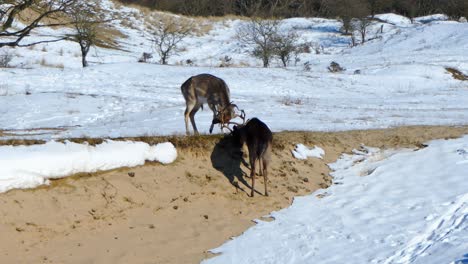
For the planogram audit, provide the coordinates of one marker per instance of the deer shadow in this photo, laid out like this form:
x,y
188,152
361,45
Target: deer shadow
x,y
227,158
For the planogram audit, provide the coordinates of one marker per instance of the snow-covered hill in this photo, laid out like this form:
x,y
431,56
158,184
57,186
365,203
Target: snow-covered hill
x,y
399,206
399,78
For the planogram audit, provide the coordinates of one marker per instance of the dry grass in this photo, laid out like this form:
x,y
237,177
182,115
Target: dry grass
x,y
382,138
456,74
28,15
44,63
107,35
199,27
289,101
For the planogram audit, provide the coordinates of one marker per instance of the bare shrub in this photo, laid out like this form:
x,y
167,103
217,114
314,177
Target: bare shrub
x,y
456,74
145,57
261,35
226,61
5,59
335,67
189,62
286,45
167,34
289,101
361,25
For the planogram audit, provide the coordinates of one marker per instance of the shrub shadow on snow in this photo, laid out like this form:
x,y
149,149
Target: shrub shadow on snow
x,y
227,158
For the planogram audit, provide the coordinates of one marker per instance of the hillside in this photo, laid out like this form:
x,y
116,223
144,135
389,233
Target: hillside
x,y
382,193
402,80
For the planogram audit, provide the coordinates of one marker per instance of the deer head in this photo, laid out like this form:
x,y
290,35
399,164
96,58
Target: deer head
x,y
228,113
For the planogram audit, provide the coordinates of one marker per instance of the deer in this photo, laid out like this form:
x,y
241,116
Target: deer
x,y
206,88
258,138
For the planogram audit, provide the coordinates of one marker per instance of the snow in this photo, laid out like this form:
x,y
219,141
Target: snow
x,y
394,19
303,152
31,166
402,81
386,206
165,153
431,18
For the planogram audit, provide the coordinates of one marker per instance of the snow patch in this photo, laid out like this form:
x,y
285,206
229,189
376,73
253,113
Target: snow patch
x,y
31,166
303,152
412,209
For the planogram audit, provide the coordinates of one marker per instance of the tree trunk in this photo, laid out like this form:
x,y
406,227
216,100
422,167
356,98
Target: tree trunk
x,y
84,53
266,62
285,61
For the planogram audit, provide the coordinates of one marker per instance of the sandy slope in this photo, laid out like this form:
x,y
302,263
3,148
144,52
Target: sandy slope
x,y
174,213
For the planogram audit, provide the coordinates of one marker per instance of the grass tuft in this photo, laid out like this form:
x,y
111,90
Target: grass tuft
x,y
456,74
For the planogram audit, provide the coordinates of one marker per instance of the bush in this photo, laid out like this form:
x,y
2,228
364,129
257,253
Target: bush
x,y
226,61
261,34
285,45
335,67
5,59
145,57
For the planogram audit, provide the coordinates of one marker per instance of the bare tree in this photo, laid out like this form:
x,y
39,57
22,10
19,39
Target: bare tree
x,y
285,45
261,34
362,25
85,25
41,13
347,10
167,35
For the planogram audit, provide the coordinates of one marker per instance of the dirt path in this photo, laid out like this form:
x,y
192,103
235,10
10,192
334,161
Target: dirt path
x,y
174,213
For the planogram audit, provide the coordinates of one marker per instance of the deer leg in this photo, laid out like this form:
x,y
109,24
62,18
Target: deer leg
x,y
260,167
215,119
188,110
265,174
192,118
252,174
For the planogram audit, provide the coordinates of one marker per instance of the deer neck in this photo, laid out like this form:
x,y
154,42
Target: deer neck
x,y
223,101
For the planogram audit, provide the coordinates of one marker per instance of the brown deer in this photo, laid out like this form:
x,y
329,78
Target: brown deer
x,y
259,138
206,88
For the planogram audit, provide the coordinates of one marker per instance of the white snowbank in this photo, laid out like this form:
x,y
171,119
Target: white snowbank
x,y
30,166
394,19
431,18
384,207
302,152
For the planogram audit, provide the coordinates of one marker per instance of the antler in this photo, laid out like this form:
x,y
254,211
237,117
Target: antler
x,y
226,125
241,116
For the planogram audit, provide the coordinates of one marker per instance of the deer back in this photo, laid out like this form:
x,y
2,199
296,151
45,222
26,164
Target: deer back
x,y
256,135
206,88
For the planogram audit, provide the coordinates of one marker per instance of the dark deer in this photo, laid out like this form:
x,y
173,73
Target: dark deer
x,y
258,138
206,88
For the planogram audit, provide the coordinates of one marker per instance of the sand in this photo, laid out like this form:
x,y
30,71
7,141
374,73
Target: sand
x,y
173,213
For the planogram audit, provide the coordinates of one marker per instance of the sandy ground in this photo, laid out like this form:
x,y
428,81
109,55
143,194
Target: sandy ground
x,y
174,213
